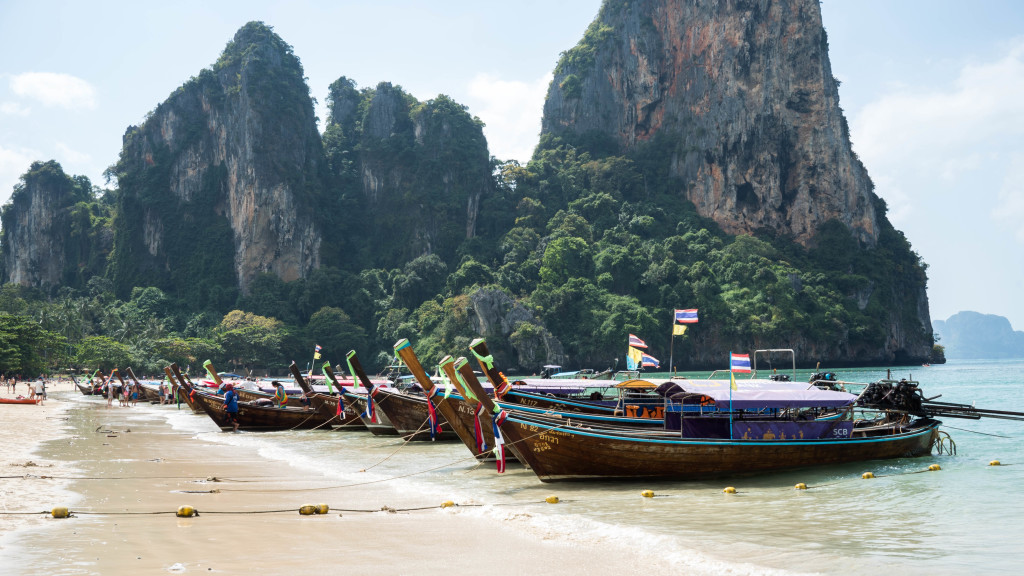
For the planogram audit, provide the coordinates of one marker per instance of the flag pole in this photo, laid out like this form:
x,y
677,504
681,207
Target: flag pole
x,y
671,345
732,384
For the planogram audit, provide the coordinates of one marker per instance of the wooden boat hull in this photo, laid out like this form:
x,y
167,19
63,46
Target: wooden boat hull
x,y
259,418
294,401
327,406
409,415
87,390
557,453
382,427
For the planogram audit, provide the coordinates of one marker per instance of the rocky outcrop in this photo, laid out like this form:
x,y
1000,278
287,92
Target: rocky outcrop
x,y
975,336
48,237
421,170
516,338
743,94
225,173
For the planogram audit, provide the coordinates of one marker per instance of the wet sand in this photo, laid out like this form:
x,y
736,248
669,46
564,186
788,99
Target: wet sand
x,y
134,470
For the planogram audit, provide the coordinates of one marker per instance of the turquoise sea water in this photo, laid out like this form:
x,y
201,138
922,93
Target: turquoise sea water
x,y
964,518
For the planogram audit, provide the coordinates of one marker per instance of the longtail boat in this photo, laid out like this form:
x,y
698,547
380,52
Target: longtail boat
x,y
146,393
410,415
327,405
88,390
558,450
245,395
259,418
184,390
375,420
458,415
351,419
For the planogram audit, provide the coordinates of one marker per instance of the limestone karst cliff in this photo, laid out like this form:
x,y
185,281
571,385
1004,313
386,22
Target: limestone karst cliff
x,y
742,92
221,181
417,172
51,235
738,102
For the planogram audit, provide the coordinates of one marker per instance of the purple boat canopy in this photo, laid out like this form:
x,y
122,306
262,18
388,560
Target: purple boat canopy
x,y
752,394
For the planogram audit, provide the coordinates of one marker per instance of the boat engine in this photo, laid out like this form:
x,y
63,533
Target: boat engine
x,y
903,395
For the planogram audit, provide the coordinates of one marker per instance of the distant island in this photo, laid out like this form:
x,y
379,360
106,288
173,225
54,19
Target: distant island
x,y
972,335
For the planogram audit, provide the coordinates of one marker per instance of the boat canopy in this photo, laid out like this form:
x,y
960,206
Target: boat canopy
x,y
753,394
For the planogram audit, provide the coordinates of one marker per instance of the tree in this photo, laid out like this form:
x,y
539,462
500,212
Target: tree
x,y
103,353
250,340
335,332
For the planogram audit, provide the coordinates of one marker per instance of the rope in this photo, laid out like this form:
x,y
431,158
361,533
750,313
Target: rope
x,y
402,445
384,508
976,432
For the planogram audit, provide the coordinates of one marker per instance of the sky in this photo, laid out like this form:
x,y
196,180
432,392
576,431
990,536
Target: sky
x,y
933,91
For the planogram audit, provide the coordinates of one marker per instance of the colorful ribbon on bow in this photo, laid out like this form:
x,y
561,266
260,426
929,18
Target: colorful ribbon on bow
x,y
432,414
499,441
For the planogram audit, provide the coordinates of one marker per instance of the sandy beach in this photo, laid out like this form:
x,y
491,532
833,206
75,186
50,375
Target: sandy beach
x,y
132,470
25,429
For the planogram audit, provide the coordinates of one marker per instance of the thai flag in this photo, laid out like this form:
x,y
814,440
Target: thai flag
x,y
648,361
739,362
636,342
686,316
317,348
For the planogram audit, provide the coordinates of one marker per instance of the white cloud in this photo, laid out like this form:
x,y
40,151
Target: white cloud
x,y
1010,207
512,111
13,109
13,163
50,89
919,144
70,157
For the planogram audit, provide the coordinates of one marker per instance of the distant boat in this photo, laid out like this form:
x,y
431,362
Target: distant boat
x,y
18,401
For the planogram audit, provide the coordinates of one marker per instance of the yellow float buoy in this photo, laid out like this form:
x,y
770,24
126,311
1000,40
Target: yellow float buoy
x,y
729,490
647,493
308,510
801,486
186,512
60,512
994,463
551,499
447,504
934,468
322,508
867,475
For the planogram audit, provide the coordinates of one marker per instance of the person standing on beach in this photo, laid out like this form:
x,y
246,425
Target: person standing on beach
x,y
39,392
163,392
231,405
108,388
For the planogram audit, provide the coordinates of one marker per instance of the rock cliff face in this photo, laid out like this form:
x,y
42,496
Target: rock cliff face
x,y
48,237
223,177
742,92
529,344
418,170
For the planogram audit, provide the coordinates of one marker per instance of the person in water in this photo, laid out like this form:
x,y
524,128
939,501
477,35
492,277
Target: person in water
x,y
231,405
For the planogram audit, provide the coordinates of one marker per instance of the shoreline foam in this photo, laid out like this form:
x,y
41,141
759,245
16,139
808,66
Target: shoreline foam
x,y
150,467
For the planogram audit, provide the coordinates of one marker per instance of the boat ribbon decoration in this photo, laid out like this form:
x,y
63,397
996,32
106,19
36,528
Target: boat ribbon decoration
x,y
481,444
355,381
209,372
486,360
371,409
499,441
465,387
324,369
435,425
